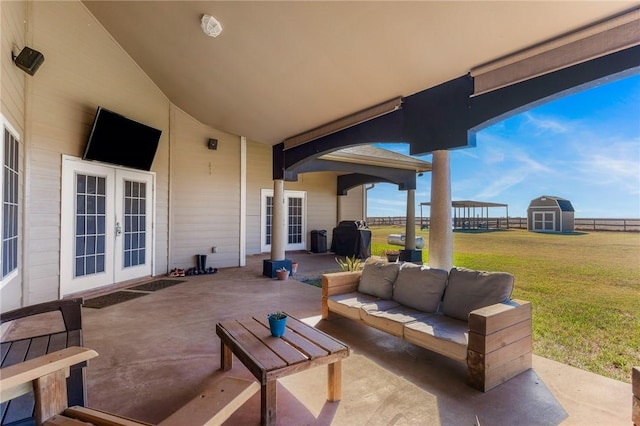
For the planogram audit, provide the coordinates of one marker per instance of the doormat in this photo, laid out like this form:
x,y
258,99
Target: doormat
x,y
111,299
157,285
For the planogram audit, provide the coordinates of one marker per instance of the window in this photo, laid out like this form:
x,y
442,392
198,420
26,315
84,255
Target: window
x,y
9,181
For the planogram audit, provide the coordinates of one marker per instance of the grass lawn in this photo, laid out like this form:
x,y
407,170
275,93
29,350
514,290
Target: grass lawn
x,y
584,288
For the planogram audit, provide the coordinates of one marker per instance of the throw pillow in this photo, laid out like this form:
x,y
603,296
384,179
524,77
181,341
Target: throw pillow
x,y
468,290
419,287
377,279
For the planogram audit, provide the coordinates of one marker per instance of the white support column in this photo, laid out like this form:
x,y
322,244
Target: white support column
x,y
278,230
440,232
410,226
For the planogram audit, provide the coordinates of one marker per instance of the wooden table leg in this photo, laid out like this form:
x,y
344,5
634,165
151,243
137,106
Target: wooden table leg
x,y
334,381
268,404
226,357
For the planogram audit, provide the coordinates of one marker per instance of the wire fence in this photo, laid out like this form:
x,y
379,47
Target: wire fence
x,y
580,224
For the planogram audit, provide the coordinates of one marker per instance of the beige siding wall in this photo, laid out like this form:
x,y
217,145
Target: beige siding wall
x,y
12,90
83,69
205,196
259,176
352,204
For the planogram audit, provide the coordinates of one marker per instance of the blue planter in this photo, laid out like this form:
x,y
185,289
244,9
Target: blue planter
x,y
277,326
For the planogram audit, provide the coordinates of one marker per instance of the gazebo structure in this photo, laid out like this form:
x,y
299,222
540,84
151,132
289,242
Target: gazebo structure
x,y
468,214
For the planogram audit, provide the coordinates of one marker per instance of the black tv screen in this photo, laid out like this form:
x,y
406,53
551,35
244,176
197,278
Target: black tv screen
x,y
116,139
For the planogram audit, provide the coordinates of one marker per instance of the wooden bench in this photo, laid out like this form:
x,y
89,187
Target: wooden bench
x,y
68,314
45,377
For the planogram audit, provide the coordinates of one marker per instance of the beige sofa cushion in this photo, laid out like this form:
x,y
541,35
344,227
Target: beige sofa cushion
x,y
419,287
468,290
348,305
391,320
377,279
444,335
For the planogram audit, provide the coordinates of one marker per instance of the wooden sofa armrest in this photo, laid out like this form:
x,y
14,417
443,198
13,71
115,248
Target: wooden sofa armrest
x,y
46,376
500,343
338,283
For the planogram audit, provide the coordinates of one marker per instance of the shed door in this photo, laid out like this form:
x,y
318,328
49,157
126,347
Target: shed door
x,y
544,221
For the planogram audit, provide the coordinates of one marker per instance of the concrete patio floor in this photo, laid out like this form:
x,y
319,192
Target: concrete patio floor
x,y
157,351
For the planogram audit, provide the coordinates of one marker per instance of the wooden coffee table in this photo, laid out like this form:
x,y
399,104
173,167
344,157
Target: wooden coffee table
x,y
269,358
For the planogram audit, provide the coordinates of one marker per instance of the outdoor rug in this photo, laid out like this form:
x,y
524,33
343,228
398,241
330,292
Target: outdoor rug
x,y
111,299
157,285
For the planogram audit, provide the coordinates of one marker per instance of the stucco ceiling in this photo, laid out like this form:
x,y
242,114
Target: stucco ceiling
x,y
281,68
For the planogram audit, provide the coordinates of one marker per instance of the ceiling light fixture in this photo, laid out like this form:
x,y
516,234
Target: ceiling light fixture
x,y
211,26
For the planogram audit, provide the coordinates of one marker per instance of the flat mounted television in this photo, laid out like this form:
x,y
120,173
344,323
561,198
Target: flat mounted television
x,y
116,139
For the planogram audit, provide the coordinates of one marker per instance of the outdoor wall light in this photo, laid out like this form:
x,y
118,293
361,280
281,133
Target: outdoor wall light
x,y
28,60
211,26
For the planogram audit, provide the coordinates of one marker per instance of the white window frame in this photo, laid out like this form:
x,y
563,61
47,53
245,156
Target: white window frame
x,y
6,125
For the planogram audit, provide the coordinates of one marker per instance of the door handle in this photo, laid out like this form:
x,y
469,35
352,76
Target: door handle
x,y
118,229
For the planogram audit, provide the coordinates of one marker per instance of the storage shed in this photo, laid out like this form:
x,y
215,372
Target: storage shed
x,y
550,214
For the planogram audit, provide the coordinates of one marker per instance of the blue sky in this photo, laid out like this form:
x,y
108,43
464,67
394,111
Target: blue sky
x,y
584,147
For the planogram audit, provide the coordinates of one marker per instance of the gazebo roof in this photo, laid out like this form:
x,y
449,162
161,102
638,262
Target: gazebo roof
x,y
470,203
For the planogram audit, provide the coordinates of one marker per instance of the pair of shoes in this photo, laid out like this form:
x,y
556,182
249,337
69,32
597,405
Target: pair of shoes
x,y
211,270
176,272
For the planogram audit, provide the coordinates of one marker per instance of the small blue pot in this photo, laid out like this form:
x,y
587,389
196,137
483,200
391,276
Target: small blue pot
x,y
277,326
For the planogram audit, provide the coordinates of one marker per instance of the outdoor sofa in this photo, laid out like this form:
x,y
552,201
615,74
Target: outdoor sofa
x,y
466,315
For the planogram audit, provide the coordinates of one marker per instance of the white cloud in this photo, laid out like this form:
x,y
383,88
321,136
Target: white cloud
x,y
546,124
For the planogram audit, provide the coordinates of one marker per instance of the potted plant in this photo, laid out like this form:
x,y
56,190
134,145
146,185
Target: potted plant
x,y
282,273
349,264
277,323
392,255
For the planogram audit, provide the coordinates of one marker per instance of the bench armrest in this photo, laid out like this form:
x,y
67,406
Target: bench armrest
x,y
16,379
500,343
338,283
493,318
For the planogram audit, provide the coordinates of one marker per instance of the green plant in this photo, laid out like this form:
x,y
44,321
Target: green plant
x,y
349,264
278,315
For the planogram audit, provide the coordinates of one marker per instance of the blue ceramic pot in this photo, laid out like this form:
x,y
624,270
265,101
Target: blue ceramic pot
x,y
277,326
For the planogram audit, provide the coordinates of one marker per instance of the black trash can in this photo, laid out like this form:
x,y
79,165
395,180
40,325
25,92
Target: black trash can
x,y
319,241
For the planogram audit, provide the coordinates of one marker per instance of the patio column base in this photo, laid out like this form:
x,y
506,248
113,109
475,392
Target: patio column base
x,y
269,266
413,256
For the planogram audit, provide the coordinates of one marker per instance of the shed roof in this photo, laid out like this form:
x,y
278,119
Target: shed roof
x,y
564,204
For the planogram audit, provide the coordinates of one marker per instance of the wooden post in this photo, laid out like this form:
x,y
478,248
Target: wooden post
x,y
50,392
635,386
226,357
268,403
334,384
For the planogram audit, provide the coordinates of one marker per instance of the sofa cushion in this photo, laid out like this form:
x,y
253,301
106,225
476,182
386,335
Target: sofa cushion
x,y
377,279
468,290
391,320
419,287
444,335
348,305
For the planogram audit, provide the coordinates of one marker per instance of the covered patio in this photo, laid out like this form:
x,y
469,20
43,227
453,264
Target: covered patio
x,y
156,351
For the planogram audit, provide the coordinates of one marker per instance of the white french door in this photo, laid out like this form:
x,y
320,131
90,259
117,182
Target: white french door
x,y
295,218
544,221
106,229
